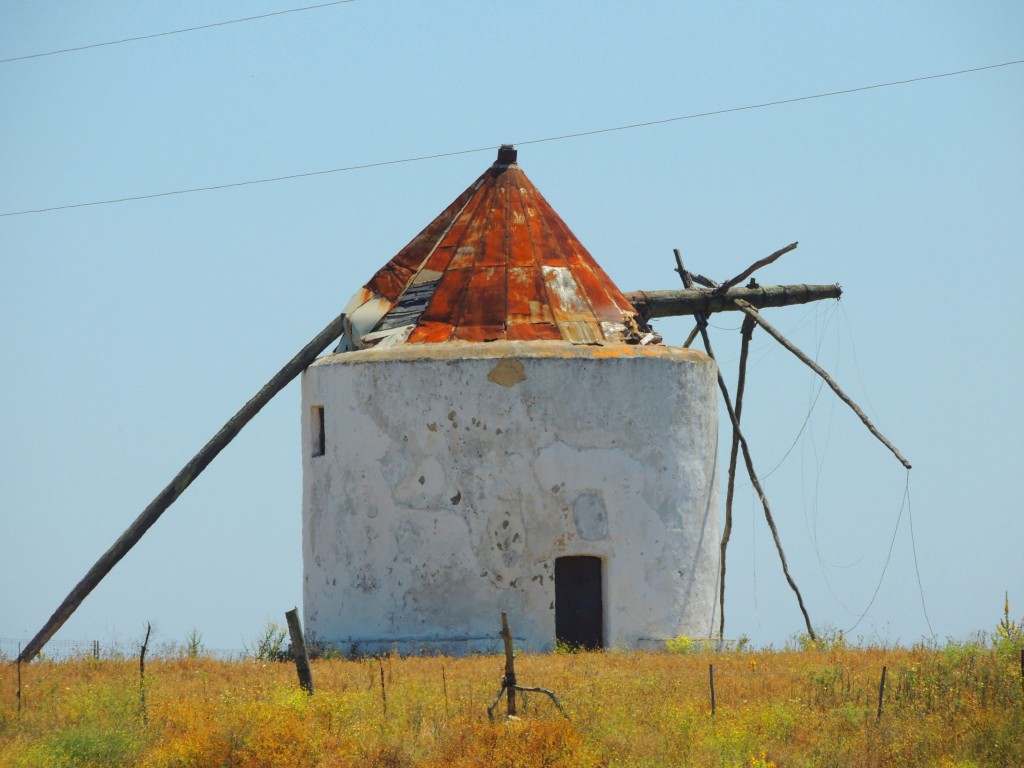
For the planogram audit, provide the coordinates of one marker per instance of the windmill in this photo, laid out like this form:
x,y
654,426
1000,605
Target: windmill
x,y
699,298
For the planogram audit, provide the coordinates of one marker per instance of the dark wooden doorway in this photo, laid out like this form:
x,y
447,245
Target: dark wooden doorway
x,y
579,613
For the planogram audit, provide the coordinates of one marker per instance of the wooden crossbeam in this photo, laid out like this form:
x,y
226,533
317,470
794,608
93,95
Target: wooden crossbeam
x,y
693,301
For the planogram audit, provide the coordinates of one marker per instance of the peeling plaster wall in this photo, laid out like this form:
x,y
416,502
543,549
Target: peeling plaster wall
x,y
455,474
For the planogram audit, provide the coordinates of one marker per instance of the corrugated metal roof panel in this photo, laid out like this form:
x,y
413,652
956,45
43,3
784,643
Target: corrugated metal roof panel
x,y
486,308
517,331
427,332
498,263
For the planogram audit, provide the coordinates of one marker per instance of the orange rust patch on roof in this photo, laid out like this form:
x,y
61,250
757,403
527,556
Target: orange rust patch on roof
x,y
497,264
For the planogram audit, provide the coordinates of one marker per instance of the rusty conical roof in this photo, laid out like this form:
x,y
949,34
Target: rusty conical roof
x,y
498,263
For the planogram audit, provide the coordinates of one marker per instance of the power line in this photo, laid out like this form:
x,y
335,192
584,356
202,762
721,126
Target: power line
x,y
174,31
580,134
249,183
772,103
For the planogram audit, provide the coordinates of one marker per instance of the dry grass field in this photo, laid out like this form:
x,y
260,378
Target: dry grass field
x,y
816,705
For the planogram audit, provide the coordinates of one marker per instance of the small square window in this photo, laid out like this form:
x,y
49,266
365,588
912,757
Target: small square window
x,y
319,445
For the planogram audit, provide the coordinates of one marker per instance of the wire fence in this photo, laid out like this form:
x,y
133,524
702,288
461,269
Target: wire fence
x,y
68,650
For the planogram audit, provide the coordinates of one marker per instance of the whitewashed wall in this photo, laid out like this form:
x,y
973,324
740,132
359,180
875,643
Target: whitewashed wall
x,y
455,474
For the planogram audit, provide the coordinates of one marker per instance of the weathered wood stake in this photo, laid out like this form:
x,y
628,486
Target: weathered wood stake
x,y
142,652
711,680
383,690
17,693
509,681
299,650
444,686
881,694
181,481
142,674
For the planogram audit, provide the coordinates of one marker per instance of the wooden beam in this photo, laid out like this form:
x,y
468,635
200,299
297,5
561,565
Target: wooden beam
x,y
693,301
753,314
181,481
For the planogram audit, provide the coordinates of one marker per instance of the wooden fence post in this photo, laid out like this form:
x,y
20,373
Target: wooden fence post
x,y
881,693
17,695
142,674
510,667
444,685
711,678
509,686
299,650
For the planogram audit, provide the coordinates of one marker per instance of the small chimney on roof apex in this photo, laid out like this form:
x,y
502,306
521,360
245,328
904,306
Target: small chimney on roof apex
x,y
506,155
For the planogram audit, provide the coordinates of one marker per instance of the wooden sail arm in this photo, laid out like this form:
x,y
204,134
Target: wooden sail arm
x,y
693,301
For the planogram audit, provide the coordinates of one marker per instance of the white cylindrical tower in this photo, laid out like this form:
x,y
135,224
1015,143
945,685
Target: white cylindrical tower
x,y
499,432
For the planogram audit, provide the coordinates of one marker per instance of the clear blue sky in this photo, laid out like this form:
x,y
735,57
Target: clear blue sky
x,y
131,332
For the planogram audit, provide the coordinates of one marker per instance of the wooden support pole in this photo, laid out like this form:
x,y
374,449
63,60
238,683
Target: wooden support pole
x,y
767,509
692,301
754,267
181,481
746,332
509,681
747,460
693,335
752,313
299,650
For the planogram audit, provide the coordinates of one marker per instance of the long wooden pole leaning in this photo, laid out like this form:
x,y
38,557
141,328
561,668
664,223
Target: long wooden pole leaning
x,y
746,331
181,481
752,313
693,335
746,457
